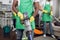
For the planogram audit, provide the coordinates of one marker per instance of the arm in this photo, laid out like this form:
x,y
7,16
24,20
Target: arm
x,y
51,10
15,3
41,9
51,3
36,6
15,11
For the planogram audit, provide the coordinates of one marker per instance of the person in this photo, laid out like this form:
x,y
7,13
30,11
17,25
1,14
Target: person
x,y
46,9
18,10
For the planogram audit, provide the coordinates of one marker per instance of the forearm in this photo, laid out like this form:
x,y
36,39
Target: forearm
x,y
15,4
51,13
35,12
40,8
36,5
14,9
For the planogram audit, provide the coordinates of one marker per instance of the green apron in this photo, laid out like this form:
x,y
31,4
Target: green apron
x,y
25,6
13,17
47,16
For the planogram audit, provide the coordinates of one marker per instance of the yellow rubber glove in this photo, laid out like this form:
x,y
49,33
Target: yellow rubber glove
x,y
51,13
32,18
45,11
20,15
14,13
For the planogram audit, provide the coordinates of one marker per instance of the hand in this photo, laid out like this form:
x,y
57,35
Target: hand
x,y
14,13
20,15
45,11
51,13
32,18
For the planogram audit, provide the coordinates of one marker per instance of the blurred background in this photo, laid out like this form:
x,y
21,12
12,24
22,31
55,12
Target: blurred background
x,y
5,5
6,14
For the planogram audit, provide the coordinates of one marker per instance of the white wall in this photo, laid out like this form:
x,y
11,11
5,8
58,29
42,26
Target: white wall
x,y
56,7
59,8
3,20
6,1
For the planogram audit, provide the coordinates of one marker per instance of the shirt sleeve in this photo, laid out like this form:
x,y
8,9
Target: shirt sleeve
x,y
36,0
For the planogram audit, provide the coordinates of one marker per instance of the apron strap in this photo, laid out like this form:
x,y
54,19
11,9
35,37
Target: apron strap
x,y
45,3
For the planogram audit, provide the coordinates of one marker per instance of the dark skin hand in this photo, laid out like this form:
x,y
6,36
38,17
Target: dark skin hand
x,y
15,4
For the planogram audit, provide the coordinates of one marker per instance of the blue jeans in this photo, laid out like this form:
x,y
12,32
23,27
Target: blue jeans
x,y
50,26
20,34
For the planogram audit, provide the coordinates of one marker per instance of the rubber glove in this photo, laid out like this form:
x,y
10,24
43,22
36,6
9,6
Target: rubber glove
x,y
32,18
14,13
20,15
45,11
51,13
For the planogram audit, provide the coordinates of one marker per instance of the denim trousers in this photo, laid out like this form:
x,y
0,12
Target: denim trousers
x,y
50,27
19,34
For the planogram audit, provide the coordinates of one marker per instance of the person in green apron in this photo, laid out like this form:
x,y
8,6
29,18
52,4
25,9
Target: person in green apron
x,y
47,17
18,10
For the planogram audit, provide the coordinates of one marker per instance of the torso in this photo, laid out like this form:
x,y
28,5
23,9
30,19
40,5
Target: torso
x,y
26,6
